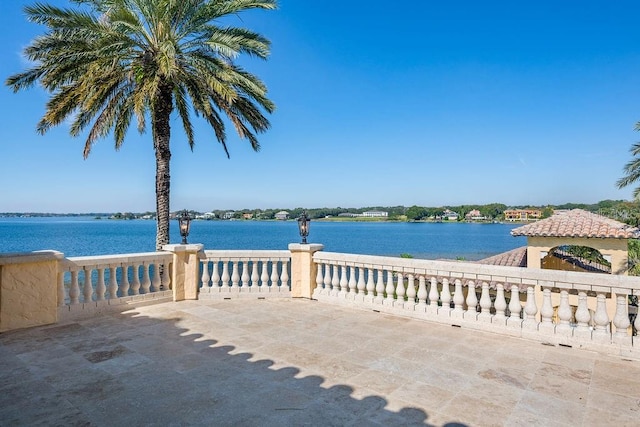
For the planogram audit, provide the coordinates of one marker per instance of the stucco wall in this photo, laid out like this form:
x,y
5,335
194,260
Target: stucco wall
x,y
28,294
616,249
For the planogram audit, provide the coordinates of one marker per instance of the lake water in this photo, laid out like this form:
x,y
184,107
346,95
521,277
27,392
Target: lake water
x,y
80,236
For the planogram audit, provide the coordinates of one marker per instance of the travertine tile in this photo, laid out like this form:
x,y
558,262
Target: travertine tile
x,y
546,408
295,362
477,410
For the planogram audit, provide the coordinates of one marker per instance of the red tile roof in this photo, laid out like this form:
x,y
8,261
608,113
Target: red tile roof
x,y
513,258
578,223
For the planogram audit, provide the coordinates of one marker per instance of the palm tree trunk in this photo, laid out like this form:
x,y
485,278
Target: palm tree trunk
x,y
161,134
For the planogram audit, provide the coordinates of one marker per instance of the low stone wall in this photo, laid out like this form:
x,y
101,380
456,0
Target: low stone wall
x,y
28,295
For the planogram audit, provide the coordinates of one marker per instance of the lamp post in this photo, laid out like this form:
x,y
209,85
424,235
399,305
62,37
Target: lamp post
x,y
303,226
185,224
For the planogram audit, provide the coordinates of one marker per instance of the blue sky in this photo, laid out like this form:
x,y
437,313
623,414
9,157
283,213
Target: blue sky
x,y
433,103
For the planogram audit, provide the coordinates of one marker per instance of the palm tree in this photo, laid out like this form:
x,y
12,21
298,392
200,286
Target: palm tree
x,y
632,169
106,61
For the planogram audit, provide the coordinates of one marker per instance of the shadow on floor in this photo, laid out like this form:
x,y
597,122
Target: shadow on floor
x,y
127,369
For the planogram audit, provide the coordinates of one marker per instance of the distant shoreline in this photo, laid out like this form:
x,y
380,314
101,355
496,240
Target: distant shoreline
x,y
100,217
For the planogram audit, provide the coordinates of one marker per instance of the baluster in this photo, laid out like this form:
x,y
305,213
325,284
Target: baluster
x,y
472,301
411,292
344,283
546,313
485,303
245,274
514,307
124,285
146,280
500,304
564,315
583,317
226,277
284,277
60,289
113,283
530,310
370,287
206,277
422,293
255,277
458,300
215,276
379,287
361,286
274,276
601,319
389,289
327,279
400,290
320,279
352,282
156,281
445,297
335,280
264,276
87,290
100,286
434,296
135,283
165,276
235,277
74,289
621,319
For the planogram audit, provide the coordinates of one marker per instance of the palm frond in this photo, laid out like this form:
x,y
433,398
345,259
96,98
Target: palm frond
x,y
105,63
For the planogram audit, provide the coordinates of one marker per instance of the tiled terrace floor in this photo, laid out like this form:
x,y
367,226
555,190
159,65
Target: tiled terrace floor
x,y
298,362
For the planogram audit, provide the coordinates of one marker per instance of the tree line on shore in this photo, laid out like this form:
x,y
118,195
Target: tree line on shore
x,y
621,210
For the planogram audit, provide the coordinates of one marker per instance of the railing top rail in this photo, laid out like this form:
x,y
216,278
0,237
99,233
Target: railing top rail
x,y
116,259
490,273
246,254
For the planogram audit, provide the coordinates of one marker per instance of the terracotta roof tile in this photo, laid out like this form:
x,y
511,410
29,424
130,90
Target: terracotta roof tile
x,y
513,258
578,223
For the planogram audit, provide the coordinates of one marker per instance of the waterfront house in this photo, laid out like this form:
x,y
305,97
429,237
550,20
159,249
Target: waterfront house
x,y
474,215
450,215
282,215
375,214
522,214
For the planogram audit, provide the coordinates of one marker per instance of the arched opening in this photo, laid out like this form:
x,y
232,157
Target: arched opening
x,y
576,258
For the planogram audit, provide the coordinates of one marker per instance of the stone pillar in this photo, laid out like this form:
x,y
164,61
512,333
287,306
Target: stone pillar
x,y
28,289
303,269
185,275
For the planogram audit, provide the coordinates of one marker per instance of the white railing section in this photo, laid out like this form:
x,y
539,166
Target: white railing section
x,y
566,308
242,272
113,279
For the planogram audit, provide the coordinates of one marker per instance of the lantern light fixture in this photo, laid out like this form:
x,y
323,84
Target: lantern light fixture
x,y
184,220
303,226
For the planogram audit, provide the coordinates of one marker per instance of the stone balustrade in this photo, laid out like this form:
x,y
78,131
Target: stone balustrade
x,y
113,279
227,273
585,310
564,308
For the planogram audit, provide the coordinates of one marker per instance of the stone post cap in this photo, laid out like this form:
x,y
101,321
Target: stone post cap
x,y
309,247
192,247
24,257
